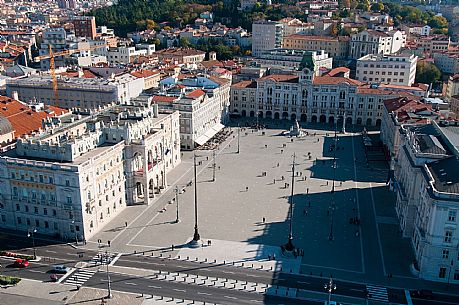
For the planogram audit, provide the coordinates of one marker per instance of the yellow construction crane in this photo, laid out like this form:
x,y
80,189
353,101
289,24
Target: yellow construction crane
x,y
51,55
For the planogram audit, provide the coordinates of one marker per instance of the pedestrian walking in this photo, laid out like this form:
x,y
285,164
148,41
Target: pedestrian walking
x,y
125,224
282,178
277,164
108,242
274,181
246,188
172,247
264,219
327,182
282,151
266,146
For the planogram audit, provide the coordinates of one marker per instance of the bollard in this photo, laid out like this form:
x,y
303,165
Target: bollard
x,y
224,262
205,260
187,258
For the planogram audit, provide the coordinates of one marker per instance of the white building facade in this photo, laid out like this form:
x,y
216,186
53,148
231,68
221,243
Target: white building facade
x,y
203,103
266,35
310,98
77,92
74,178
392,69
376,42
428,200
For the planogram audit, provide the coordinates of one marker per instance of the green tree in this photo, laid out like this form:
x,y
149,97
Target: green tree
x,y
184,42
151,25
438,22
427,73
377,7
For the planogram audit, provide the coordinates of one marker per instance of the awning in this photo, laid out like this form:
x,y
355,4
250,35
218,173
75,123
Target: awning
x,y
209,134
201,140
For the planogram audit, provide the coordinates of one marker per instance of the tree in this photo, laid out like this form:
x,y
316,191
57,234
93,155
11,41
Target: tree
x,y
438,22
377,7
184,42
151,25
334,30
427,73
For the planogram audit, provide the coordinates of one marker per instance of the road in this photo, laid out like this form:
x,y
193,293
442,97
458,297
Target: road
x,y
126,283
263,277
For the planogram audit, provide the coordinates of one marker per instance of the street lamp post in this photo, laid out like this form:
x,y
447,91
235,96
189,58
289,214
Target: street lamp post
x,y
74,228
32,234
109,284
196,237
289,245
177,220
238,136
330,287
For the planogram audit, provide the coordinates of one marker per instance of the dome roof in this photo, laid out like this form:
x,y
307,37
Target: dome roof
x,y
5,126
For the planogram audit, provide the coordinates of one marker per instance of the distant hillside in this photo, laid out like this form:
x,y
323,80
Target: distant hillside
x,y
131,15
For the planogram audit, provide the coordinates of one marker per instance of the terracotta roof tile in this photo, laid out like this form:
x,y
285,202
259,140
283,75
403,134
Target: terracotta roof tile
x,y
164,98
195,94
281,78
23,119
328,80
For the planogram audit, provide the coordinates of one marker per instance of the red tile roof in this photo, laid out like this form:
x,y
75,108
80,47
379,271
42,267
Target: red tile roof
x,y
338,70
164,98
245,84
145,73
195,94
328,80
281,78
23,119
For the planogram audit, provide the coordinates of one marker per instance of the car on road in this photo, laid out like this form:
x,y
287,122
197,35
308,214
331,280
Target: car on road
x,y
422,294
60,269
20,263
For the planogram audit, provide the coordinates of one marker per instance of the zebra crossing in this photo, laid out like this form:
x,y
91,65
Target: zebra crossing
x,y
80,277
377,293
101,259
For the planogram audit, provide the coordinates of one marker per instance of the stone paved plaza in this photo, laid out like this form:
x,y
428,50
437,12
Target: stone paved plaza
x,y
232,209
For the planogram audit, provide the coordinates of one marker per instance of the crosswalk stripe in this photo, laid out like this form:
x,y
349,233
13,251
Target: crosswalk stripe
x,y
377,293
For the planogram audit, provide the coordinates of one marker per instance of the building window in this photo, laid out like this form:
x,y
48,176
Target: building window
x,y
445,253
28,221
69,199
442,273
19,220
452,215
448,236
67,183
18,208
46,225
54,213
35,210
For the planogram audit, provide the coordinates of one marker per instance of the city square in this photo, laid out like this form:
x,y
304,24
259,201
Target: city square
x,y
244,212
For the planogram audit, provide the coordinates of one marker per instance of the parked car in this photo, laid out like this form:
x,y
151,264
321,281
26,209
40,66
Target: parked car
x,y
422,294
20,263
60,269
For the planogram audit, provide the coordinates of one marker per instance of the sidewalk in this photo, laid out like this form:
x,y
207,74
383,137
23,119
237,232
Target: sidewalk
x,y
39,293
